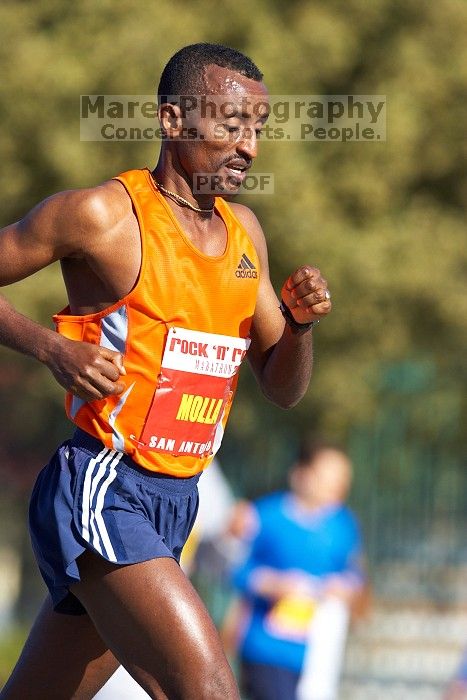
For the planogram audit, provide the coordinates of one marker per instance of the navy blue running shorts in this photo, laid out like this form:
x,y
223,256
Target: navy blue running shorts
x,y
89,497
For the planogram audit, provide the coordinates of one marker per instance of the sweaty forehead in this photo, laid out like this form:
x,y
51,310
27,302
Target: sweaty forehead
x,y
223,81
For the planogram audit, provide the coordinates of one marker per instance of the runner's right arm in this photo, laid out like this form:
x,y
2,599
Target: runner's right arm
x,y
56,228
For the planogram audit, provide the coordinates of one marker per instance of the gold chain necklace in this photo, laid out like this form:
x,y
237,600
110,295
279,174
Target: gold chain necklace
x,y
181,200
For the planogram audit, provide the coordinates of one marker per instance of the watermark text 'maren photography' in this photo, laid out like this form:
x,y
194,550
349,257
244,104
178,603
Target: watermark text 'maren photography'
x,y
213,117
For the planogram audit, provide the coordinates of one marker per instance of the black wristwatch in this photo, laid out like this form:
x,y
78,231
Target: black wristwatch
x,y
289,319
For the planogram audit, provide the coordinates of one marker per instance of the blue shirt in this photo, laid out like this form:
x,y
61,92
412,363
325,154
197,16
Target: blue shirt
x,y
318,544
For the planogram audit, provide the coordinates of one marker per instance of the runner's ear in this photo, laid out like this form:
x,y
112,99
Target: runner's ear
x,y
170,117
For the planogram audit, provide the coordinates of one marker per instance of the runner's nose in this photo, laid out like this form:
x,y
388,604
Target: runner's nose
x,y
248,146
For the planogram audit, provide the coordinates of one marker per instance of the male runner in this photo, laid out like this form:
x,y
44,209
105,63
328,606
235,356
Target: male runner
x,y
148,351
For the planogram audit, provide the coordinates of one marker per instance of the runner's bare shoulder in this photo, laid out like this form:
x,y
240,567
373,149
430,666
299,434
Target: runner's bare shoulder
x,y
86,217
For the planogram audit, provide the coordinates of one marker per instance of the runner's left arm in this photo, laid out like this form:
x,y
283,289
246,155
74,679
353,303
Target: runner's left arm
x,y
280,356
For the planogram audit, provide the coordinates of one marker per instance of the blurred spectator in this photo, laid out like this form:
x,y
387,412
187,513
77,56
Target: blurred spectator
x,y
458,687
300,580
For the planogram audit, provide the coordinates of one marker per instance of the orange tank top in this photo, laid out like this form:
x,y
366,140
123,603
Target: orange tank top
x,y
183,332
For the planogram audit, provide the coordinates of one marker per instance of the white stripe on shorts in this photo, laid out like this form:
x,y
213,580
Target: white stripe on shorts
x,y
86,502
100,504
96,484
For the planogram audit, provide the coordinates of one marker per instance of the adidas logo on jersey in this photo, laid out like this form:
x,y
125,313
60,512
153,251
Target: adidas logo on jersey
x,y
246,268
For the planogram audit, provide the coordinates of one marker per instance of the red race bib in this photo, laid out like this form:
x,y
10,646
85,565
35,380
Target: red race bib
x,y
195,384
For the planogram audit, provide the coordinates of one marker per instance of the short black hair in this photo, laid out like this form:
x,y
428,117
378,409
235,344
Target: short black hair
x,y
183,74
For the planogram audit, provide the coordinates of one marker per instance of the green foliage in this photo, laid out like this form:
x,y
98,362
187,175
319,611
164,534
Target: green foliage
x,y
10,647
385,222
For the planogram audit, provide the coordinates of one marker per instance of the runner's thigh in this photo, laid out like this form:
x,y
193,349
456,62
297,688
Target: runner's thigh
x,y
63,658
157,626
